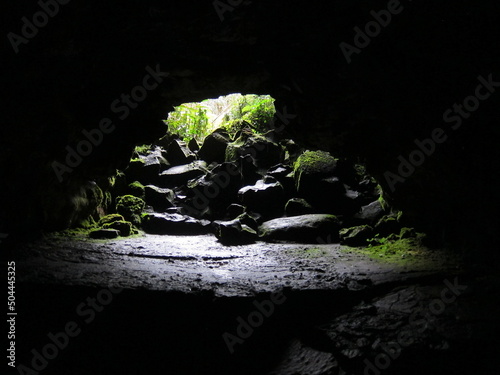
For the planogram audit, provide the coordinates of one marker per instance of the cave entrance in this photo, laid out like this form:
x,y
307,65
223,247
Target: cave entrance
x,y
228,201
226,168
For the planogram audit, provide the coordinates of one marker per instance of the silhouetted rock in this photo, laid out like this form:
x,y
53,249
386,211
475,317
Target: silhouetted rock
x,y
298,206
214,147
136,189
234,210
193,145
370,213
265,152
356,236
104,234
178,153
159,198
387,225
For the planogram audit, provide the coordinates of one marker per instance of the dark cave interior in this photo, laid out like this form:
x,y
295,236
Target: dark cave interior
x,y
397,98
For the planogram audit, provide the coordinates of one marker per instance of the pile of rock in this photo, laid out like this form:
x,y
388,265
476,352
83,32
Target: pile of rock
x,y
247,188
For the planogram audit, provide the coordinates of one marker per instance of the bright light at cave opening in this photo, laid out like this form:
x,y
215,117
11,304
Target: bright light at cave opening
x,y
231,112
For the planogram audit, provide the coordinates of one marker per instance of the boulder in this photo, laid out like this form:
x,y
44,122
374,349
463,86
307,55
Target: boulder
x,y
280,171
130,208
248,168
217,189
234,232
104,234
234,210
214,147
310,168
387,225
158,198
110,219
178,153
136,189
156,157
193,145
356,236
265,152
176,224
298,206
124,227
249,220
267,196
370,213
284,174
181,174
304,228
137,170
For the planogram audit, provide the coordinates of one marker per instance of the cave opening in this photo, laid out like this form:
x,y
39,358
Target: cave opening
x,y
227,167
226,191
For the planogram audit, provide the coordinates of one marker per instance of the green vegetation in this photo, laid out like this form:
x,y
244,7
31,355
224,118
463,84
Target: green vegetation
x,y
189,120
137,189
110,219
143,149
125,227
395,248
315,162
232,112
130,208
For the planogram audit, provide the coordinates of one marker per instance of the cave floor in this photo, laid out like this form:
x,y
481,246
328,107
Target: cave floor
x,y
201,263
184,300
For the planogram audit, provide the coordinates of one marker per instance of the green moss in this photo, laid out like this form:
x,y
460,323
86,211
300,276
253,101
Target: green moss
x,y
110,219
142,149
125,227
130,208
137,189
394,249
88,223
315,162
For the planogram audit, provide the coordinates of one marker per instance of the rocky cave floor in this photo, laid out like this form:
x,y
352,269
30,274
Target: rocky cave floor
x,y
184,300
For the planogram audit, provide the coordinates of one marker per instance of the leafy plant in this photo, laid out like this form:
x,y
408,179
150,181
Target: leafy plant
x,y
189,121
231,112
142,149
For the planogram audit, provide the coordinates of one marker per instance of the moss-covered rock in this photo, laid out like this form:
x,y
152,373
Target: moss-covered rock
x,y
298,206
311,167
387,225
264,152
109,219
356,236
136,189
407,233
130,208
124,227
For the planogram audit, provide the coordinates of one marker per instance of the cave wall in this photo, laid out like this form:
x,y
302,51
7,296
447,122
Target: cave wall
x,y
371,110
